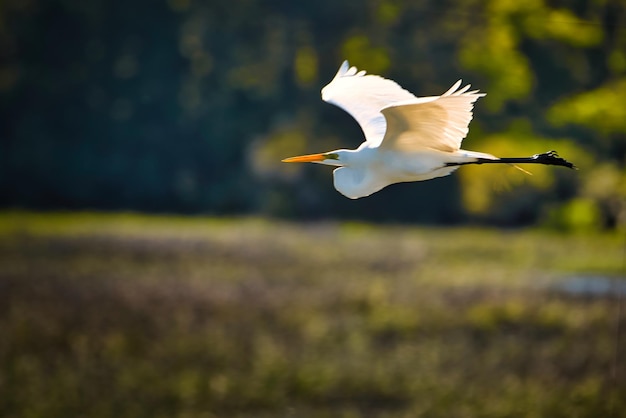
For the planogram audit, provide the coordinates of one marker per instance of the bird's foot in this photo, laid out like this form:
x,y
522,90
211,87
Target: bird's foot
x,y
552,158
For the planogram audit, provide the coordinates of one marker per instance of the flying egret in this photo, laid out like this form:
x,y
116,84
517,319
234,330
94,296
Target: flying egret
x,y
406,138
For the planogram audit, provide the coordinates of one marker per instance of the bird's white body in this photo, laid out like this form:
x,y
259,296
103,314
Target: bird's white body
x,y
370,169
406,138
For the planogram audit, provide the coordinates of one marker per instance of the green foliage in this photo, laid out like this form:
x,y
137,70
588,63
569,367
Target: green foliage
x,y
601,109
493,47
577,215
133,316
360,52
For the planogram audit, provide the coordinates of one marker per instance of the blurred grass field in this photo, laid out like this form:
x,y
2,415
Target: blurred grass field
x,y
124,315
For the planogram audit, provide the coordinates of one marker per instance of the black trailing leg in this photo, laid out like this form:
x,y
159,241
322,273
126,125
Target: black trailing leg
x,y
547,158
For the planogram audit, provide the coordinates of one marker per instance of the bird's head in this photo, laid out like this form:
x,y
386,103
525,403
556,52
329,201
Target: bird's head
x,y
335,158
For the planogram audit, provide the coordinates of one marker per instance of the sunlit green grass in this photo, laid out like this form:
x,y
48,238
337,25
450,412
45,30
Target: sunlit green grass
x,y
130,316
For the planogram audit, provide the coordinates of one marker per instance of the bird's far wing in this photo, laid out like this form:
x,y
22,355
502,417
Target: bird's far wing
x,y
363,96
439,122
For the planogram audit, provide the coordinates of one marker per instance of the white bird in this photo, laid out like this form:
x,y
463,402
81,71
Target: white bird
x,y
406,138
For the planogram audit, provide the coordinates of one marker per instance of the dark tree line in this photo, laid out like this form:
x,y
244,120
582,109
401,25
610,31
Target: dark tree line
x,y
188,106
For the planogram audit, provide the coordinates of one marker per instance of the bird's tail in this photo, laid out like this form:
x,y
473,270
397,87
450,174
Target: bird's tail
x,y
465,156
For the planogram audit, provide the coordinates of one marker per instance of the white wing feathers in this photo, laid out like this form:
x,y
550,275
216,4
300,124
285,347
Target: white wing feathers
x,y
439,123
395,119
363,97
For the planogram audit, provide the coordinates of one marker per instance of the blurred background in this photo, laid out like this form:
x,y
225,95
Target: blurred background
x,y
157,259
188,106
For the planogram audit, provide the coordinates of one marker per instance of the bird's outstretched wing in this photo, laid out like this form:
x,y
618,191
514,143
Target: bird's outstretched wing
x,y
363,97
439,122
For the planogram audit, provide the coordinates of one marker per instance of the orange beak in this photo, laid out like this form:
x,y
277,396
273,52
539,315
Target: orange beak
x,y
306,158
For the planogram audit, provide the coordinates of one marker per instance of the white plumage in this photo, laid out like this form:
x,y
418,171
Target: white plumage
x,y
406,138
